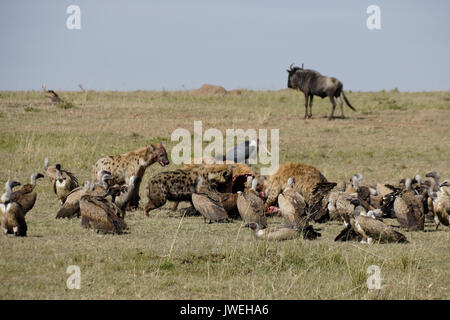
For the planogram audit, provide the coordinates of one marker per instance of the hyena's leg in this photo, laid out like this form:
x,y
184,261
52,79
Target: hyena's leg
x,y
333,102
155,201
310,105
175,206
149,207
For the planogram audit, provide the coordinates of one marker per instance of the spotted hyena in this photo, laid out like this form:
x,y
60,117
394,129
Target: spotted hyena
x,y
123,167
306,178
179,185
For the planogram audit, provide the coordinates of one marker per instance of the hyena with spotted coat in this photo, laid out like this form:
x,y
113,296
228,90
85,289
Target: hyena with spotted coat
x,y
179,185
134,163
123,167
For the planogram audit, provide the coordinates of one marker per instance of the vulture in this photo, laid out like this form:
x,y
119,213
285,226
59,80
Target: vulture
x,y
26,196
63,181
292,207
318,211
408,208
50,171
364,193
208,204
213,205
51,95
120,191
278,232
243,152
71,207
101,214
250,205
445,186
126,194
365,228
440,204
340,205
11,213
383,190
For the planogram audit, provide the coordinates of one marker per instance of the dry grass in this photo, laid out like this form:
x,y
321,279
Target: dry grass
x,y
392,135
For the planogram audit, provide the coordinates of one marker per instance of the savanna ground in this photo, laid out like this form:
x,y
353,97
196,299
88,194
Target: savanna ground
x,y
392,135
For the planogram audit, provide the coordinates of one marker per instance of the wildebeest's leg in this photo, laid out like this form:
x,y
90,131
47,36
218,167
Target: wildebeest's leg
x,y
310,105
333,102
306,106
342,106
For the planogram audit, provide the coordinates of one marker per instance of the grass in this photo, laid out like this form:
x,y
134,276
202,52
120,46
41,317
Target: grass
x,y
391,136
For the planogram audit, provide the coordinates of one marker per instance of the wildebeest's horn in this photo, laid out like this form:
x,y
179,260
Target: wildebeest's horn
x,y
302,66
290,67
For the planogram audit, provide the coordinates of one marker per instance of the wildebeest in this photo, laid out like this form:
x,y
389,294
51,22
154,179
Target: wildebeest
x,y
312,83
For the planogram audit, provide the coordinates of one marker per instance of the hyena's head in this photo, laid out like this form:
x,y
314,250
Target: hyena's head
x,y
157,153
220,177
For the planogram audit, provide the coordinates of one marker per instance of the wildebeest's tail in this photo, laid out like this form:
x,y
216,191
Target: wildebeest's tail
x,y
347,102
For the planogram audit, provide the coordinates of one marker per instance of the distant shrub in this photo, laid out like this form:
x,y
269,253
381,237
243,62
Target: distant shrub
x,y
282,99
30,109
64,104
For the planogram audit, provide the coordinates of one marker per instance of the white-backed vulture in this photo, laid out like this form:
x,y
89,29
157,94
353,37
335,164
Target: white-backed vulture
x,y
250,205
440,205
292,207
373,230
383,190
208,203
277,233
318,210
71,207
365,228
339,205
408,209
11,213
63,181
367,195
126,195
101,214
26,196
119,192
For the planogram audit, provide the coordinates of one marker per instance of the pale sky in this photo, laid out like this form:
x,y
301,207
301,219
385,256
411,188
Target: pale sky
x,y
177,45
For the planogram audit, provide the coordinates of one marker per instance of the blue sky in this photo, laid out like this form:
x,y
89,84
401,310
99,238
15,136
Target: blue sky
x,y
177,45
